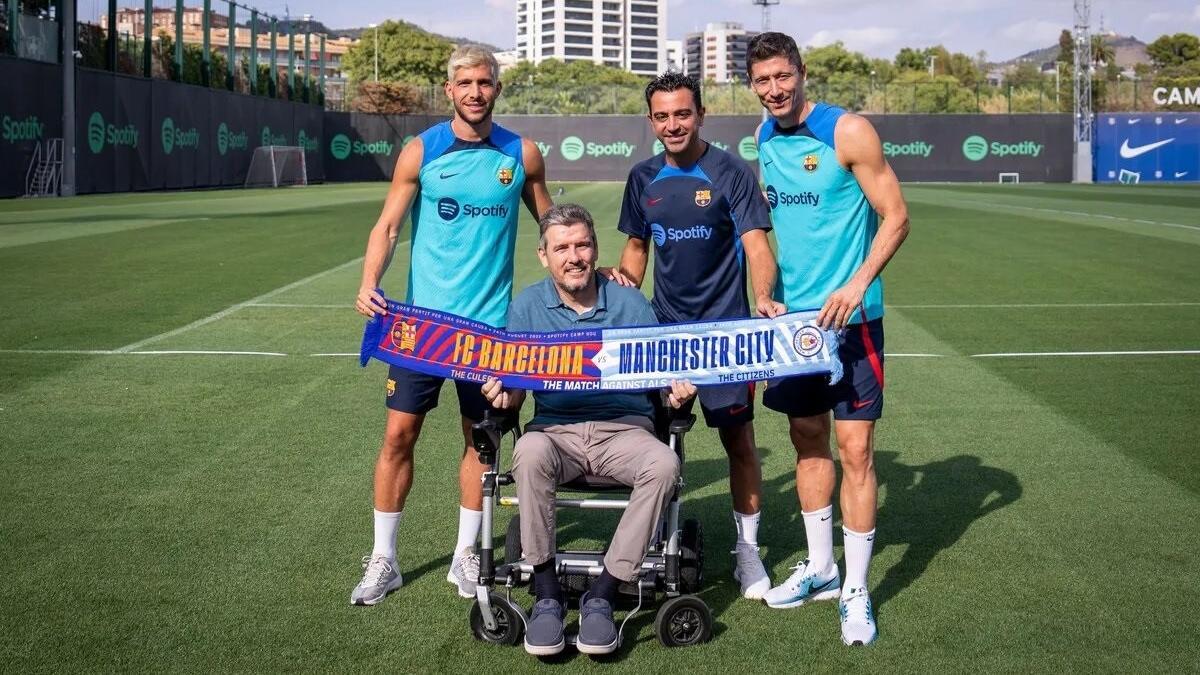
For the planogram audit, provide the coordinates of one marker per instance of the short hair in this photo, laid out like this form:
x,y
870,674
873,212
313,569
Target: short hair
x,y
472,56
564,214
769,45
669,82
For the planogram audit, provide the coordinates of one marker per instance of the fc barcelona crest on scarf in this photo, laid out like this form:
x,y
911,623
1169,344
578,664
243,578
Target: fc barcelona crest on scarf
x,y
703,197
505,176
404,335
810,163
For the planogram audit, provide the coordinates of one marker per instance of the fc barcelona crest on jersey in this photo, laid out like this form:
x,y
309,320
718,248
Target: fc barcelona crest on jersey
x,y
703,197
505,176
810,163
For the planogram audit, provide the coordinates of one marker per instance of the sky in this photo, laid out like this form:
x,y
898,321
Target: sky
x,y
1002,28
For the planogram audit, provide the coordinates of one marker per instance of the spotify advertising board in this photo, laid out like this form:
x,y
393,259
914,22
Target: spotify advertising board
x,y
113,132
308,121
360,147
180,138
29,114
231,125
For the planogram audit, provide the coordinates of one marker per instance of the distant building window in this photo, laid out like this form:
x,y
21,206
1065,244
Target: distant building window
x,y
578,51
578,27
612,53
647,56
577,16
644,43
578,4
615,42
644,31
611,6
548,39
645,9
612,30
577,39
612,18
547,51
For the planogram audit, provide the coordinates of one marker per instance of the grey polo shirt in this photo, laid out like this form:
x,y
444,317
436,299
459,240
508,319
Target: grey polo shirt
x,y
539,308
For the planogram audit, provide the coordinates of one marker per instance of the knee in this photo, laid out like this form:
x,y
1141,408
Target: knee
x,y
398,443
534,455
857,458
661,469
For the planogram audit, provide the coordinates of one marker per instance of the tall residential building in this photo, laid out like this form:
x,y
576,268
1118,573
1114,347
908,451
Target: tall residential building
x,y
718,53
627,34
675,56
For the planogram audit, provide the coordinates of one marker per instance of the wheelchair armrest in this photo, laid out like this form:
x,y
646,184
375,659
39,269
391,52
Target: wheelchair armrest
x,y
682,423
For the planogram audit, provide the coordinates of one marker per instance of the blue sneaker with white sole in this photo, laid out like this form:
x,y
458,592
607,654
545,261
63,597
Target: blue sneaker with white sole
x,y
805,585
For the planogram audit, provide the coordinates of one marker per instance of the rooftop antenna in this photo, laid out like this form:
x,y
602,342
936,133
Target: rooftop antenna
x,y
766,12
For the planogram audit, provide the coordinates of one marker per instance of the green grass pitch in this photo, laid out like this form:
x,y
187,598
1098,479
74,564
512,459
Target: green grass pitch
x,y
207,512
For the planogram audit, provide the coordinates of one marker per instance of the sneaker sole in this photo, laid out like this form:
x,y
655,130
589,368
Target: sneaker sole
x,y
597,650
546,650
367,602
755,591
823,595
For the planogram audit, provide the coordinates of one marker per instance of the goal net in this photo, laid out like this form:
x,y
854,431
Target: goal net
x,y
276,165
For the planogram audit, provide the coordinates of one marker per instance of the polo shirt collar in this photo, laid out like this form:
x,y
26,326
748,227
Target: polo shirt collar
x,y
552,299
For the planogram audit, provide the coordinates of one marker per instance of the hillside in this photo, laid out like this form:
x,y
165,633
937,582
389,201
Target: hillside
x,y
1128,49
356,33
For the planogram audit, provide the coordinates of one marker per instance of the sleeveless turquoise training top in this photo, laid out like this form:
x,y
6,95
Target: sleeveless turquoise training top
x,y
823,222
464,224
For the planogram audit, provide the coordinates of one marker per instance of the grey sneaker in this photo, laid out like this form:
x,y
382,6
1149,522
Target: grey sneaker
x,y
464,572
597,632
749,572
544,630
380,577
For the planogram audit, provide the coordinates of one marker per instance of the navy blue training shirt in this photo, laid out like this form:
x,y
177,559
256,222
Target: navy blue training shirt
x,y
695,216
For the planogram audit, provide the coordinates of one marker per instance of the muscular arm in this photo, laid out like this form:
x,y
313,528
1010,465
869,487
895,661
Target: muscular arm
x,y
763,272
633,260
381,242
860,150
535,195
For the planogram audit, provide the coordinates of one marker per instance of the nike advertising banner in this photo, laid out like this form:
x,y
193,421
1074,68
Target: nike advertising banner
x,y
644,357
30,114
1147,147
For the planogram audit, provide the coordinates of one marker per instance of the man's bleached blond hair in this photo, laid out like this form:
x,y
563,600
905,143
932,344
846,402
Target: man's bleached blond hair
x,y
472,56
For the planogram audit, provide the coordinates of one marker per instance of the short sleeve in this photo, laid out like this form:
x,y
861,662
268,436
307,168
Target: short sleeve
x,y
519,316
633,218
747,205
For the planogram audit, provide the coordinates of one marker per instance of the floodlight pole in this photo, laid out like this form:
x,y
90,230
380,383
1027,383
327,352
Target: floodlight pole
x,y
206,58
766,12
1083,92
67,43
112,34
253,52
272,83
307,47
321,86
147,30
178,40
229,76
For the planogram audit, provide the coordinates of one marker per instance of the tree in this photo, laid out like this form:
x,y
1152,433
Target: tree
x,y
405,52
1024,75
1066,46
1174,50
824,62
1102,52
911,59
570,88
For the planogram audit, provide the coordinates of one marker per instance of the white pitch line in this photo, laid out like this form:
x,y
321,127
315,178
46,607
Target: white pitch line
x,y
203,351
1049,305
233,308
1129,353
926,356
301,305
338,354
104,352
1089,215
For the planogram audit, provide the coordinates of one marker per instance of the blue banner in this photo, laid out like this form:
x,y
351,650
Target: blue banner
x,y
1160,147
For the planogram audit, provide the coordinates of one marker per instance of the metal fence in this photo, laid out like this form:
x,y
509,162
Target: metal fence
x,y
733,99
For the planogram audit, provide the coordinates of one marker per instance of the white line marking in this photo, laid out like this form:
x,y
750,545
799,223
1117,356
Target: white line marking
x,y
1131,353
301,305
338,354
1089,215
57,351
205,351
162,352
233,308
1049,304
931,356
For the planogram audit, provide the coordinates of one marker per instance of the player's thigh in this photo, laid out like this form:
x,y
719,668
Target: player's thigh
x,y
727,406
859,396
411,392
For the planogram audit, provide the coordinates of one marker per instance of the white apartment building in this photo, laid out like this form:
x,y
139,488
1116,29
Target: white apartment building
x,y
627,34
717,53
675,56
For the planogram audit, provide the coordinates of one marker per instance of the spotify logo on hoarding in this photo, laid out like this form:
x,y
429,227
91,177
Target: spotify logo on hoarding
x,y
308,143
228,140
28,129
975,148
748,149
269,138
100,134
339,147
96,132
572,148
173,137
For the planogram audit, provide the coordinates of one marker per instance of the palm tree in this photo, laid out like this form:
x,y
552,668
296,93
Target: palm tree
x,y
1102,52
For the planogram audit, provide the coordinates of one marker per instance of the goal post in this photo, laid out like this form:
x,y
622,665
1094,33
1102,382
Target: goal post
x,y
276,166
1008,177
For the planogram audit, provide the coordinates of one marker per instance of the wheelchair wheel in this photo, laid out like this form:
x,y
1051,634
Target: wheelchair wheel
x,y
683,621
691,556
512,540
509,625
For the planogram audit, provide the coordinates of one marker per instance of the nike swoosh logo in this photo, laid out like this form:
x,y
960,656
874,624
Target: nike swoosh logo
x,y
738,409
813,589
652,202
826,518
1135,121
444,176
769,162
1180,174
1180,120
858,405
1129,153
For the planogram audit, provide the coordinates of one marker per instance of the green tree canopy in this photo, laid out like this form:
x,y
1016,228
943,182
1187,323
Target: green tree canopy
x,y
1174,50
911,59
406,54
824,62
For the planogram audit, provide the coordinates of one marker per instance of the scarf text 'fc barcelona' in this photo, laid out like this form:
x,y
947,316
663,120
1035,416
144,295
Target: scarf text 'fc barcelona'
x,y
643,357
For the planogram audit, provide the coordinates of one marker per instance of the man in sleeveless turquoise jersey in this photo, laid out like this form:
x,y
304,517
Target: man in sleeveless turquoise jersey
x,y
839,218
467,177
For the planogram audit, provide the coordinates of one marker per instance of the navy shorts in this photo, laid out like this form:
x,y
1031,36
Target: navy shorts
x,y
859,394
727,405
417,393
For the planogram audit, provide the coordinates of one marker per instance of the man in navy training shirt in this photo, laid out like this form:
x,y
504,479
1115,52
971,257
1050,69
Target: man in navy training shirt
x,y
706,216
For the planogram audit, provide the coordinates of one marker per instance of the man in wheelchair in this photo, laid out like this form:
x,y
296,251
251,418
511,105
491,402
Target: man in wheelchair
x,y
572,434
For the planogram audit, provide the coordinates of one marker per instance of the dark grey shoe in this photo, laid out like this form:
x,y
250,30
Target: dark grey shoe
x,y
544,630
597,632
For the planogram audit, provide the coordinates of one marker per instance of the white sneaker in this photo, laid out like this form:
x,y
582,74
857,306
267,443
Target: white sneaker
x,y
749,572
380,577
804,586
464,572
858,618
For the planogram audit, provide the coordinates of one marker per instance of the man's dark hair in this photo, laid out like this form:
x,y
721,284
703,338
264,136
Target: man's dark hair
x,y
669,82
769,45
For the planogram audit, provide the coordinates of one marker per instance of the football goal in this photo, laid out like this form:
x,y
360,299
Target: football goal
x,y
277,165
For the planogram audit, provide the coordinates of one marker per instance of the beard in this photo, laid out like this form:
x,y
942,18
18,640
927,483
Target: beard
x,y
473,117
574,285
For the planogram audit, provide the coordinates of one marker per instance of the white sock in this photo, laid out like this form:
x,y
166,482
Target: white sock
x,y
858,558
747,527
818,528
469,523
386,525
